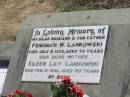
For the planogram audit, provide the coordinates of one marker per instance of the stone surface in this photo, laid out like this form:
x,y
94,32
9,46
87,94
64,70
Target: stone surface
x,y
116,69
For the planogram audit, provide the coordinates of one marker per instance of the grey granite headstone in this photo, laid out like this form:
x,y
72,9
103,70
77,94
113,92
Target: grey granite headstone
x,y
116,70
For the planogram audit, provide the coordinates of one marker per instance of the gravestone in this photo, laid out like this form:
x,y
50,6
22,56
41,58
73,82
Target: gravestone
x,y
6,49
115,75
66,51
3,70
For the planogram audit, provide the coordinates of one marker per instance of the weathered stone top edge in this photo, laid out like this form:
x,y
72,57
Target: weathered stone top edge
x,y
94,17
